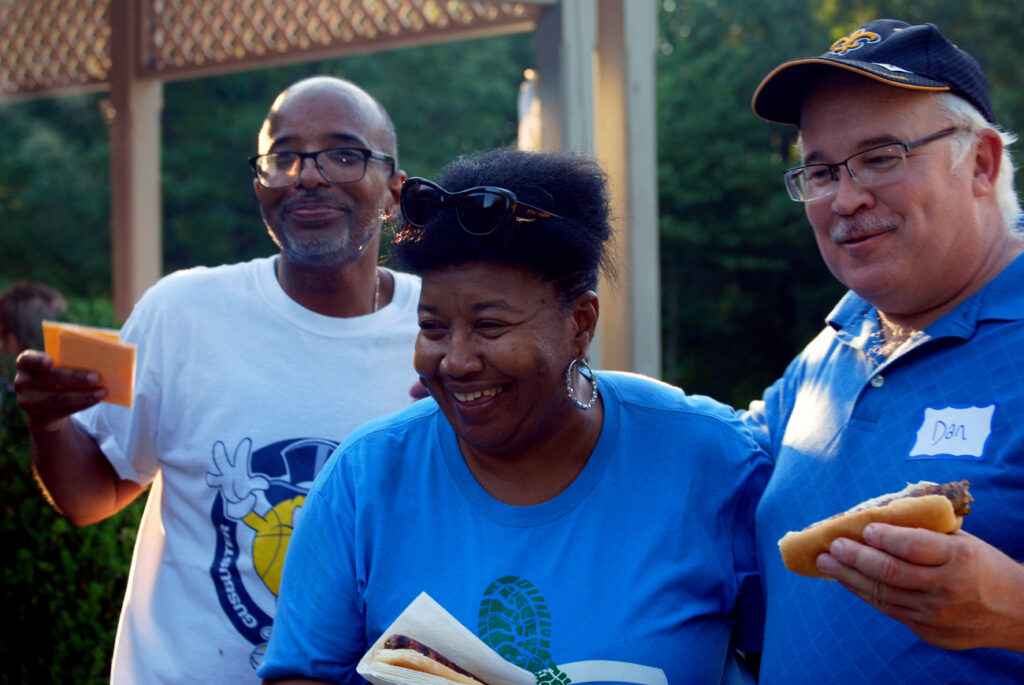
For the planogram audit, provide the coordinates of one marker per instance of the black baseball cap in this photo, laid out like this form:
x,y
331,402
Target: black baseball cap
x,y
886,50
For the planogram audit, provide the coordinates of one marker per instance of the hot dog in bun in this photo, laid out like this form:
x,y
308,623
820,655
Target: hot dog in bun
x,y
404,651
919,505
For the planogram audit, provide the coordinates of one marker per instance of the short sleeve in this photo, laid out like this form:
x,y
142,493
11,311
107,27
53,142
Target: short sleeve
x,y
318,630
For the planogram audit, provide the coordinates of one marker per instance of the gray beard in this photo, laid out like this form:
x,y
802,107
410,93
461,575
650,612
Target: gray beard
x,y
323,252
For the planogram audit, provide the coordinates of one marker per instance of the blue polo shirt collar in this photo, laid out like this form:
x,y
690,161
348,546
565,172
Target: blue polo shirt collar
x,y
855,321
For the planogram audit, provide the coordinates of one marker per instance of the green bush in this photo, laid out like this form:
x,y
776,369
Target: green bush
x,y
62,585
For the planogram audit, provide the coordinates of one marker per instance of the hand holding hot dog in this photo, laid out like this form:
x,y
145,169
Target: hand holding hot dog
x,y
933,506
954,591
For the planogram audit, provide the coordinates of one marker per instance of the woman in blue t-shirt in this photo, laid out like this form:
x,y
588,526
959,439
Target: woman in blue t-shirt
x,y
585,526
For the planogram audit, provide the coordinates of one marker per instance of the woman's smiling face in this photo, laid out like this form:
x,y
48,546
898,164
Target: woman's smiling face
x,y
493,346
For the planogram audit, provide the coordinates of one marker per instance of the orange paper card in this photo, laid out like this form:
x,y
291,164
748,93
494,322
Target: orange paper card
x,y
96,349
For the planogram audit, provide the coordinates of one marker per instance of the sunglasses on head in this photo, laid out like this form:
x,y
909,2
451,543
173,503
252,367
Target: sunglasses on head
x,y
481,210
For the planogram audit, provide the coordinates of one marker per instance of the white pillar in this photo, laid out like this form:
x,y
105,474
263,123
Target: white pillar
x,y
596,85
626,146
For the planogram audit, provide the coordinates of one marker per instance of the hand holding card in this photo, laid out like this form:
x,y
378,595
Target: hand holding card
x,y
96,349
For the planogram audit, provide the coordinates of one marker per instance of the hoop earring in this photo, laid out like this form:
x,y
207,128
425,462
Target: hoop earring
x,y
588,374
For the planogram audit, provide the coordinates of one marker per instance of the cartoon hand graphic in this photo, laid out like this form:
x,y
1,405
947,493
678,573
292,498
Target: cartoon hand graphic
x,y
243,492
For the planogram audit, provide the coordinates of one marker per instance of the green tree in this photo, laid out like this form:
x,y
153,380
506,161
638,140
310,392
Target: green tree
x,y
742,285
54,194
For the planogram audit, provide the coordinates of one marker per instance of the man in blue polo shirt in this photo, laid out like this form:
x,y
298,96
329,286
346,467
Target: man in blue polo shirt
x,y
919,375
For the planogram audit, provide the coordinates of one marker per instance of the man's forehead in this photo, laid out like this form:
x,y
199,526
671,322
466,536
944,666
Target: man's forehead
x,y
328,111
323,89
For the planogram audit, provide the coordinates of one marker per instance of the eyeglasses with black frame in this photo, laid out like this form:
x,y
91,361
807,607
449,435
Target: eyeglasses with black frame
x,y
480,210
335,164
869,168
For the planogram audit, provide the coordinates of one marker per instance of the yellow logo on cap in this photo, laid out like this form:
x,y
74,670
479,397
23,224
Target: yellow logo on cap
x,y
857,39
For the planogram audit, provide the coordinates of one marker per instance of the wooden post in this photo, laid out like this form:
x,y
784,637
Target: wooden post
x,y
134,120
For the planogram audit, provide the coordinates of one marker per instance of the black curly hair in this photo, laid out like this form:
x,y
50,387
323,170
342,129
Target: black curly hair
x,y
568,251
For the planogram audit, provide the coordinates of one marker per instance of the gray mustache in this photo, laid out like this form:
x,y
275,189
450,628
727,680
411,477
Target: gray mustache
x,y
849,229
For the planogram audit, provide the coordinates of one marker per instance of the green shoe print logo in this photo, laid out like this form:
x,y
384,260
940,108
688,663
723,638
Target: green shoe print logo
x,y
515,622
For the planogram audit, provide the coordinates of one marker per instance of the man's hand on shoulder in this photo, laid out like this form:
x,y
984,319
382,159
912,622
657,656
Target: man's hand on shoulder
x,y
954,591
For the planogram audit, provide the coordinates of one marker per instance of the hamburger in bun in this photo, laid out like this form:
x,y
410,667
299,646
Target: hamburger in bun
x,y
919,505
404,651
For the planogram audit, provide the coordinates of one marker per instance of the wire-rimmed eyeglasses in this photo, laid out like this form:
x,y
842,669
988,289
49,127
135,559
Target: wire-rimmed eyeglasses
x,y
480,210
869,168
335,164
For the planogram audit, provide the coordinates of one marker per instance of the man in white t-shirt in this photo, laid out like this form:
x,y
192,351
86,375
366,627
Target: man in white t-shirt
x,y
248,375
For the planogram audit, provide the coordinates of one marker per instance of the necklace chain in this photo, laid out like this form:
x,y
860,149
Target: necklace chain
x,y
887,339
376,291
376,285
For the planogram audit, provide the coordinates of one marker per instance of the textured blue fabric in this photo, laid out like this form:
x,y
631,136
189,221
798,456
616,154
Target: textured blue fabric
x,y
839,439
641,560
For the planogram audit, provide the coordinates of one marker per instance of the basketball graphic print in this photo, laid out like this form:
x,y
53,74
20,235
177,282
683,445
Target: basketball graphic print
x,y
259,498
273,532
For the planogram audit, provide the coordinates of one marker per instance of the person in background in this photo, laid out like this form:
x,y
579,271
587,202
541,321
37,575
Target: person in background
x,y
589,526
907,182
23,307
248,376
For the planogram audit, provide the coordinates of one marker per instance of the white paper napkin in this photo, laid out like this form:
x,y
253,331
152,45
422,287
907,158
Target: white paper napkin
x,y
427,621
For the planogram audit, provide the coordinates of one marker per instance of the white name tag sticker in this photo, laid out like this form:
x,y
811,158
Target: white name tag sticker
x,y
953,433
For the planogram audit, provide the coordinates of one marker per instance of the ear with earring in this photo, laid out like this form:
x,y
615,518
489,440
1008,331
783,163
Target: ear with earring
x,y
389,219
570,386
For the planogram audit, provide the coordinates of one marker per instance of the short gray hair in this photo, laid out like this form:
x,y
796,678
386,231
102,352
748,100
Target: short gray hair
x,y
969,122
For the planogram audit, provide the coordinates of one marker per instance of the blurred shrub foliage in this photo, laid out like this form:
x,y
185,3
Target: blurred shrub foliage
x,y
62,585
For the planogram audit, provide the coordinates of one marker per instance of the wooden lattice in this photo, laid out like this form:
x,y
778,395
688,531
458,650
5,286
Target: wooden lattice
x,y
196,32
53,45
49,44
